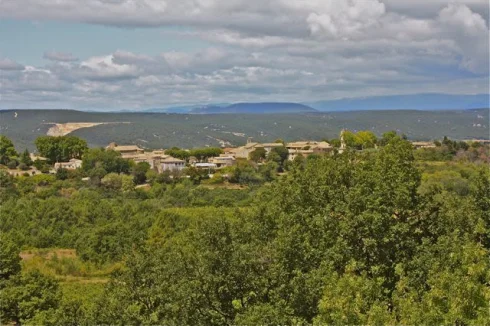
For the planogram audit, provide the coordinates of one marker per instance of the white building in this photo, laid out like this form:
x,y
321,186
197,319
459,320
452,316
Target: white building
x,y
223,160
171,164
73,164
205,166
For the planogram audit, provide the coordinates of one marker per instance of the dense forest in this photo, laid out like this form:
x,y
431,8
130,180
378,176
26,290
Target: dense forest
x,y
163,130
374,235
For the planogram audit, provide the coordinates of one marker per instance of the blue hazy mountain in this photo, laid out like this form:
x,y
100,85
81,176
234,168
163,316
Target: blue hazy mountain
x,y
405,102
265,107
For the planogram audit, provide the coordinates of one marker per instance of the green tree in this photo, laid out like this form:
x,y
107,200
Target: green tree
x,y
366,139
7,186
387,137
9,258
127,183
112,181
7,150
12,164
278,155
354,300
203,154
27,295
109,160
258,154
139,171
335,142
178,153
62,148
350,139
25,158
61,174
203,276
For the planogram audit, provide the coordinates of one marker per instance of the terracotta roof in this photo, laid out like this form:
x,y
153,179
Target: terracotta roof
x,y
272,144
322,144
251,145
312,144
171,159
121,148
300,151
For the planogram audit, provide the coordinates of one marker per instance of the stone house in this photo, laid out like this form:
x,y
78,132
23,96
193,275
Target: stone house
x,y
306,148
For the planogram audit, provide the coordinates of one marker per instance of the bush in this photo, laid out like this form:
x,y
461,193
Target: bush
x,y
12,164
23,167
62,174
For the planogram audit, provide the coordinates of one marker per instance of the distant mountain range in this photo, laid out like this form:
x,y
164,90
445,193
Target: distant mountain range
x,y
246,108
405,102
431,102
265,108
421,102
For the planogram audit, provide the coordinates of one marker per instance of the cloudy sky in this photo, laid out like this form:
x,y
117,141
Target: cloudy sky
x,y
130,54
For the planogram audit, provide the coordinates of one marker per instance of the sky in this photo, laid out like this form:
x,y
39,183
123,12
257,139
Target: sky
x,y
139,54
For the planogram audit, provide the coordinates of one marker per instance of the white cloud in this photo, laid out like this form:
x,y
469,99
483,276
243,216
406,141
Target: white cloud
x,y
284,50
104,68
470,32
343,19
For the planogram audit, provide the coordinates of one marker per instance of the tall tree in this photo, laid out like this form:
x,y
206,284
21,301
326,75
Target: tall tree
x,y
25,158
108,160
7,149
258,154
62,148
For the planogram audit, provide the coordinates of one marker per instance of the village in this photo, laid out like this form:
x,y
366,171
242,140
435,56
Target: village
x,y
210,160
160,161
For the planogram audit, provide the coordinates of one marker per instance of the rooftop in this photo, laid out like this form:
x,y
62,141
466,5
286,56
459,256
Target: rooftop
x,y
171,159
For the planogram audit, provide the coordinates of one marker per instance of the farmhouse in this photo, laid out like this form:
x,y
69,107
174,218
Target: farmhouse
x,y
270,146
73,164
171,164
222,161
244,151
125,150
305,148
157,159
205,166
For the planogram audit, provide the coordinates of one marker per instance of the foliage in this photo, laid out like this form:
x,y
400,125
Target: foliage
x,y
279,155
27,295
9,259
201,154
178,153
25,158
361,237
23,296
12,164
7,150
139,171
361,140
106,161
162,130
62,148
257,155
